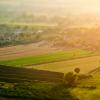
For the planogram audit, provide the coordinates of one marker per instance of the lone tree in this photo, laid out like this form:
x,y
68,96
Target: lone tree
x,y
77,70
70,79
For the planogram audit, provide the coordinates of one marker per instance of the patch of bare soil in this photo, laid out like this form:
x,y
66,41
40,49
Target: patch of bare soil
x,y
14,52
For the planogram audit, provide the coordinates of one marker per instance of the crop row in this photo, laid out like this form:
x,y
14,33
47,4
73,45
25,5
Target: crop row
x,y
10,74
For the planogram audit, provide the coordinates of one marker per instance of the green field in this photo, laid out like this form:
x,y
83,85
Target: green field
x,y
48,58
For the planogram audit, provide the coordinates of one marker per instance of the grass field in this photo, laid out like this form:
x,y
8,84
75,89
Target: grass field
x,y
48,58
85,64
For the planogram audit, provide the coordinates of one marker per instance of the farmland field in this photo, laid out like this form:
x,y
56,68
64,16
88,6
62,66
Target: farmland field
x,y
49,50
13,52
85,64
48,58
13,75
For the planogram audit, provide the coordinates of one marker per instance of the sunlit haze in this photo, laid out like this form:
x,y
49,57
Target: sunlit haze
x,y
78,6
49,49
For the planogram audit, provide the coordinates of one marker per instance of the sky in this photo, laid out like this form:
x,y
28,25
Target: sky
x,y
75,6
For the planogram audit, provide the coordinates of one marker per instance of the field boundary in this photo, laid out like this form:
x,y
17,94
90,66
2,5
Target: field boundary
x,y
63,60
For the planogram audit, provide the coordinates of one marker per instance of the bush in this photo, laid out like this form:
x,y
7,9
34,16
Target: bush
x,y
70,79
36,91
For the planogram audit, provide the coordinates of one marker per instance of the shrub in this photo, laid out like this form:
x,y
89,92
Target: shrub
x,y
70,79
36,91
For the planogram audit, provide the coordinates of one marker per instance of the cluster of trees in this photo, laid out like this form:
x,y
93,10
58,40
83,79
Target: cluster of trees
x,y
15,39
86,38
72,80
35,91
22,34
61,36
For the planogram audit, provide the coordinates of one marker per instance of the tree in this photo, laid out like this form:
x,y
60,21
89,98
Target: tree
x,y
77,70
70,79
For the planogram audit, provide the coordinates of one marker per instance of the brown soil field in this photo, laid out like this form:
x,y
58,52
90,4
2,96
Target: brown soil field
x,y
13,52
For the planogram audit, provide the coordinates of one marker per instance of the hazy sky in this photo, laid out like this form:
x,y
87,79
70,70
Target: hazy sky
x,y
71,5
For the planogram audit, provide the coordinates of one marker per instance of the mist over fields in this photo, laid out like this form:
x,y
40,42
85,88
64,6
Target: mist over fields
x,y
49,50
85,13
78,18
